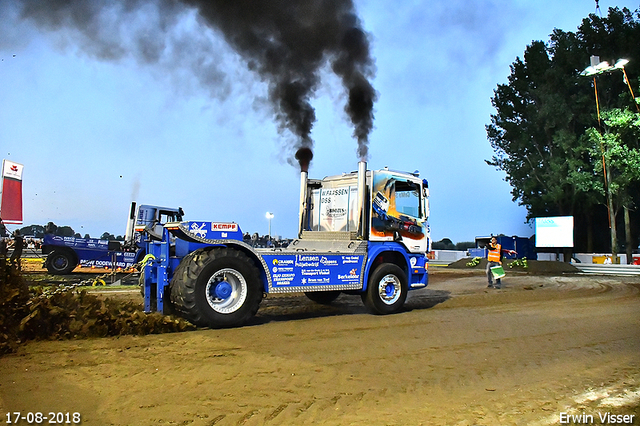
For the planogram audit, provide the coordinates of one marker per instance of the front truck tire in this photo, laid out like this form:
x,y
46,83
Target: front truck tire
x,y
387,290
61,262
216,288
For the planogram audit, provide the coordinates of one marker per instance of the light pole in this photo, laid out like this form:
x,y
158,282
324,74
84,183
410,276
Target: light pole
x,y
594,69
269,216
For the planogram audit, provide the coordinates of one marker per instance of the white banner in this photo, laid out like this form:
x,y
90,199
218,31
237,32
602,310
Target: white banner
x,y
12,170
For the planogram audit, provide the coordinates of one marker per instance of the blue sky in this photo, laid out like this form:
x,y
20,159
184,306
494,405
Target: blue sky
x,y
95,134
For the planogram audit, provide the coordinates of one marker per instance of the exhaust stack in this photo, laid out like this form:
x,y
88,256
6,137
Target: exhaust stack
x,y
128,235
303,202
304,155
362,188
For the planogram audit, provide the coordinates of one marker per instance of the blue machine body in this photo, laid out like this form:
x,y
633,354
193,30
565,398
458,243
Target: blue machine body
x,y
92,252
364,232
281,270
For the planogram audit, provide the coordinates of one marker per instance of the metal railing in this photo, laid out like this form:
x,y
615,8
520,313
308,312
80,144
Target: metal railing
x,y
589,268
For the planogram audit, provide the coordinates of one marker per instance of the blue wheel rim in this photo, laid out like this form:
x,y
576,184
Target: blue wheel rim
x,y
389,289
226,291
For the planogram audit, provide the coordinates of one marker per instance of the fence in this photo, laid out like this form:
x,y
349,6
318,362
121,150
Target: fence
x,y
594,268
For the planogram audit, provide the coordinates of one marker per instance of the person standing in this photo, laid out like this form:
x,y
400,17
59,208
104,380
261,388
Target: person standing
x,y
493,259
3,246
18,244
3,250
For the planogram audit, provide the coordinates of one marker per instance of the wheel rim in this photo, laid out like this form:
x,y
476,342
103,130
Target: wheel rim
x,y
389,289
226,291
60,262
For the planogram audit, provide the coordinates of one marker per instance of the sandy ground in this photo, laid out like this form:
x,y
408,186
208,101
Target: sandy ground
x,y
542,348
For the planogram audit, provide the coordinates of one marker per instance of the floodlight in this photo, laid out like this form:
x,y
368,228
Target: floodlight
x,y
621,63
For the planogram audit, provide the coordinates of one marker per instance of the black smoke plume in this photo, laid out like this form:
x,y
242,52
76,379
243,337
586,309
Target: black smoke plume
x,y
286,42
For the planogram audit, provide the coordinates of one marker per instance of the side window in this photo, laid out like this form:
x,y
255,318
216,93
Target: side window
x,y
408,199
166,217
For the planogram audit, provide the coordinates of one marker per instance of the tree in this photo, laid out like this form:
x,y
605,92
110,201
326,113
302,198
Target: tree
x,y
465,245
61,231
443,244
621,155
107,236
542,116
65,231
50,228
33,230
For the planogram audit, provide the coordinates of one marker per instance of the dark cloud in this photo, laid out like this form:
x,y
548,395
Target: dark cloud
x,y
286,42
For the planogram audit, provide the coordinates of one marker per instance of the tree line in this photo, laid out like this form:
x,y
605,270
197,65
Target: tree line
x,y
567,139
447,244
38,231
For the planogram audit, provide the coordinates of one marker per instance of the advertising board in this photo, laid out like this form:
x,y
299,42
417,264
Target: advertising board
x,y
554,231
333,271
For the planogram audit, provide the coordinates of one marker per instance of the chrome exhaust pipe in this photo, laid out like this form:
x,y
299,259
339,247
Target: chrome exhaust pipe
x,y
303,202
128,234
362,188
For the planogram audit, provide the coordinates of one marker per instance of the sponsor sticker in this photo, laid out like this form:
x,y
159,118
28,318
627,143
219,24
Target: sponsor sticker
x,y
219,226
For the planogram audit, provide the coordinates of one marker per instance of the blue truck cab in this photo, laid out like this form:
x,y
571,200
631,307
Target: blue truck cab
x,y
364,232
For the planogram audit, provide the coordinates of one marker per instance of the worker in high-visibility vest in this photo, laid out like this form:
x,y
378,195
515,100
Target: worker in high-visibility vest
x,y
493,259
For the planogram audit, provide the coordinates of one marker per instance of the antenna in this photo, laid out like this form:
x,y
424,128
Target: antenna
x,y
598,8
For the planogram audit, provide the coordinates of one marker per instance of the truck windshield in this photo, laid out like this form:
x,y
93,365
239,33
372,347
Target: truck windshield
x,y
408,198
169,216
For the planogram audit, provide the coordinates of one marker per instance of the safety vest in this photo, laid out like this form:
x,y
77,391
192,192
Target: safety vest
x,y
494,255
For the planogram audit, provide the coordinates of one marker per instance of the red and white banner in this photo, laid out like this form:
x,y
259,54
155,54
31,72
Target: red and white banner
x,y
11,204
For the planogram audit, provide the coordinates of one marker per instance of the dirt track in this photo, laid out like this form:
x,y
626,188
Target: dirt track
x,y
460,355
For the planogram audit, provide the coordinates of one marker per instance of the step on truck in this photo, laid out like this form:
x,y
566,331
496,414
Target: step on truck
x,y
64,254
364,232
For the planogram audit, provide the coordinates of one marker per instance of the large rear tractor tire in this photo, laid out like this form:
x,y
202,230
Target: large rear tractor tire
x,y
216,288
61,262
387,290
323,297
